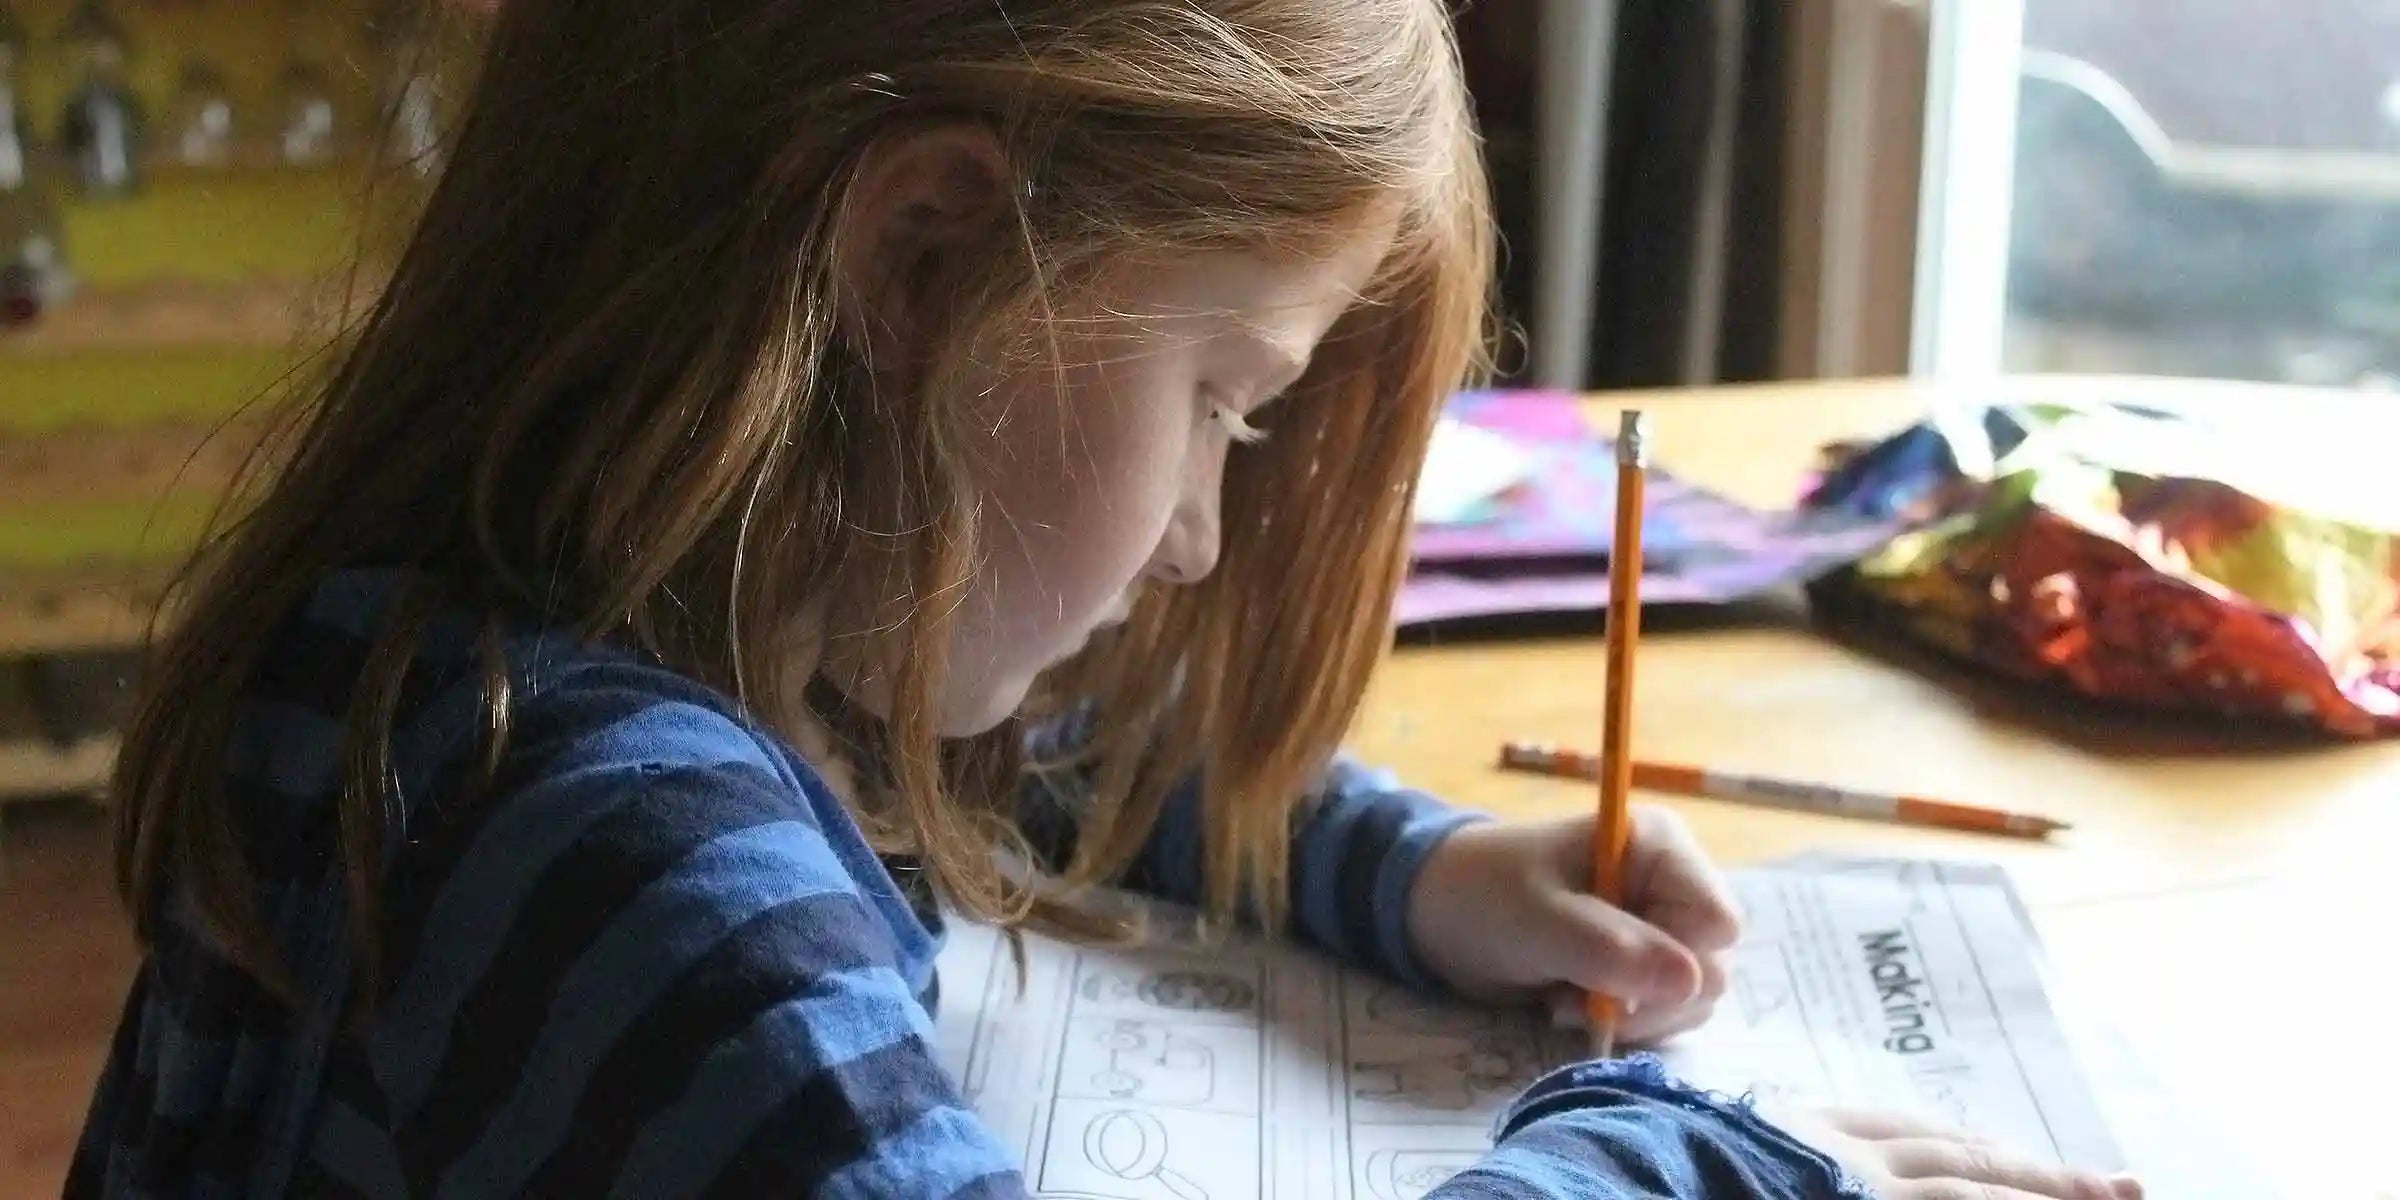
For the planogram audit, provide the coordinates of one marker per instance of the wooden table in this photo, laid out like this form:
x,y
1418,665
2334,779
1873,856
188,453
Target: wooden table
x,y
2227,899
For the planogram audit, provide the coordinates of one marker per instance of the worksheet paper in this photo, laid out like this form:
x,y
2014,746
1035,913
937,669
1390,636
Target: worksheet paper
x,y
1182,1071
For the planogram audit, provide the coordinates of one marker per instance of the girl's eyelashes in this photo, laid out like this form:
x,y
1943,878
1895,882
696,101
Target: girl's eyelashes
x,y
1237,428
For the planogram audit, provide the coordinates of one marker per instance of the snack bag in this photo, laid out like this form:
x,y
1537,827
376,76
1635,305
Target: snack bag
x,y
2140,557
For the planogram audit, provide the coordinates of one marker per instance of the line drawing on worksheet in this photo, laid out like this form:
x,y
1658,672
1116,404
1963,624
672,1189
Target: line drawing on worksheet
x,y
1243,1068
1175,1074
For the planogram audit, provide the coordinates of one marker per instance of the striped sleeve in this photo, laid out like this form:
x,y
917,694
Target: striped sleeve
x,y
649,969
1357,845
1360,843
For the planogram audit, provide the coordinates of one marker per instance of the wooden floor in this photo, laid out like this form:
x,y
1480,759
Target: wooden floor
x,y
65,958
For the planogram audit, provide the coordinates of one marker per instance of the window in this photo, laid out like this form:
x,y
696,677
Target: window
x,y
2174,187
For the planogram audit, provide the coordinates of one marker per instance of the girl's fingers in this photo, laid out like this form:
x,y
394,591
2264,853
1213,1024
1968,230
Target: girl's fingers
x,y
1649,1026
1974,1163
1602,948
1955,1189
1671,882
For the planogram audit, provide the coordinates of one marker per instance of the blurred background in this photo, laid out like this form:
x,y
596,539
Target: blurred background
x,y
183,195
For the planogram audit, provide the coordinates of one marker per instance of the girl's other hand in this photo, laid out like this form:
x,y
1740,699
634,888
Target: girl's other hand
x,y
1503,911
1900,1157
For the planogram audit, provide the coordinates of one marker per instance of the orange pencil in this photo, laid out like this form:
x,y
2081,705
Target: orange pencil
x,y
1769,792
1613,830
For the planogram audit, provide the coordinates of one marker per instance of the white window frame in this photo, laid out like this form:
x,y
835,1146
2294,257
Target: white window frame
x,y
1961,297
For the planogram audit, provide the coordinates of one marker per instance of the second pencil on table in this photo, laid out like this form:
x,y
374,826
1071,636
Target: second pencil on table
x,y
1771,792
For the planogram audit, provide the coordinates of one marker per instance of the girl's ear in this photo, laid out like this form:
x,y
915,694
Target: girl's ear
x,y
921,211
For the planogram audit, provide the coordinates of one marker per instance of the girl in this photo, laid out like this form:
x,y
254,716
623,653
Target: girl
x,y
813,458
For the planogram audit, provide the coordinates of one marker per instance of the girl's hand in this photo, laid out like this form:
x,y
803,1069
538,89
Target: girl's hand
x,y
1504,911
1902,1158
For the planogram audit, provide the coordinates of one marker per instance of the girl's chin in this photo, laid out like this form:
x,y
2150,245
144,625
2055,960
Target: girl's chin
x,y
981,705
994,702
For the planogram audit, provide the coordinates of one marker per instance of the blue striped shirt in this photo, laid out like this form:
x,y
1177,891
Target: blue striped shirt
x,y
658,958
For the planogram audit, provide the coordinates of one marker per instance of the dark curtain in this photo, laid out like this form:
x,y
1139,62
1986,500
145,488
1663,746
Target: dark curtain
x,y
1667,62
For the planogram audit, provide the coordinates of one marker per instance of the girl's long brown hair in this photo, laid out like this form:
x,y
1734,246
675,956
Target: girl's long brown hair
x,y
605,387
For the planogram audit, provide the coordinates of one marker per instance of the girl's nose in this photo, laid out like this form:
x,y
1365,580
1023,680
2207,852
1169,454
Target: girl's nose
x,y
1189,551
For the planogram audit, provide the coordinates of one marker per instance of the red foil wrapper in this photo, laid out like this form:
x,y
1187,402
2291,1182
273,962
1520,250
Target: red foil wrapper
x,y
2139,559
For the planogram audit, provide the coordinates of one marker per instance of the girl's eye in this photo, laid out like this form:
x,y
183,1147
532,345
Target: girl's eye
x,y
1237,428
